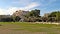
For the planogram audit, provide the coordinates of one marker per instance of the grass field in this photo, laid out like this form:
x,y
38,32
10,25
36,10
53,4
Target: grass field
x,y
28,28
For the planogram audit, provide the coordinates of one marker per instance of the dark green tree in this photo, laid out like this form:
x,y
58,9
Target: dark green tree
x,y
55,15
32,15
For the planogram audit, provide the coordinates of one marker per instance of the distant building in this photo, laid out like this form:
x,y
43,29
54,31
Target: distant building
x,y
20,13
46,14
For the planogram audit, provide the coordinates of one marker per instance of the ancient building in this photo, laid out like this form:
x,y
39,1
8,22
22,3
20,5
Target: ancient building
x,y
20,13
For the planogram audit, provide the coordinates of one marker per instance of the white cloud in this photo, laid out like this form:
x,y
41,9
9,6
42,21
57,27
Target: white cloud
x,y
28,7
32,5
3,12
11,10
7,11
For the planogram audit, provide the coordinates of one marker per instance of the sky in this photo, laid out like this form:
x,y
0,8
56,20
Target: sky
x,y
8,7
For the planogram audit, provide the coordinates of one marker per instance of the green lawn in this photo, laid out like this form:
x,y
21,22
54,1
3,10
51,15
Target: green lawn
x,y
30,27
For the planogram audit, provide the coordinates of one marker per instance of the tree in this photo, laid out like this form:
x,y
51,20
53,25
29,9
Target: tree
x,y
17,18
55,15
35,13
32,15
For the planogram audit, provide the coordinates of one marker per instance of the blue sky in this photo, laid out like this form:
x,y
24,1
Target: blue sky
x,y
46,6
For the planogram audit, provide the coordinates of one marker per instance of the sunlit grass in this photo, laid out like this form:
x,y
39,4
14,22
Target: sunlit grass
x,y
16,26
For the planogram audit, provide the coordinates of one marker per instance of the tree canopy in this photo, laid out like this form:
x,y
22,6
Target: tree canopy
x,y
56,15
34,13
